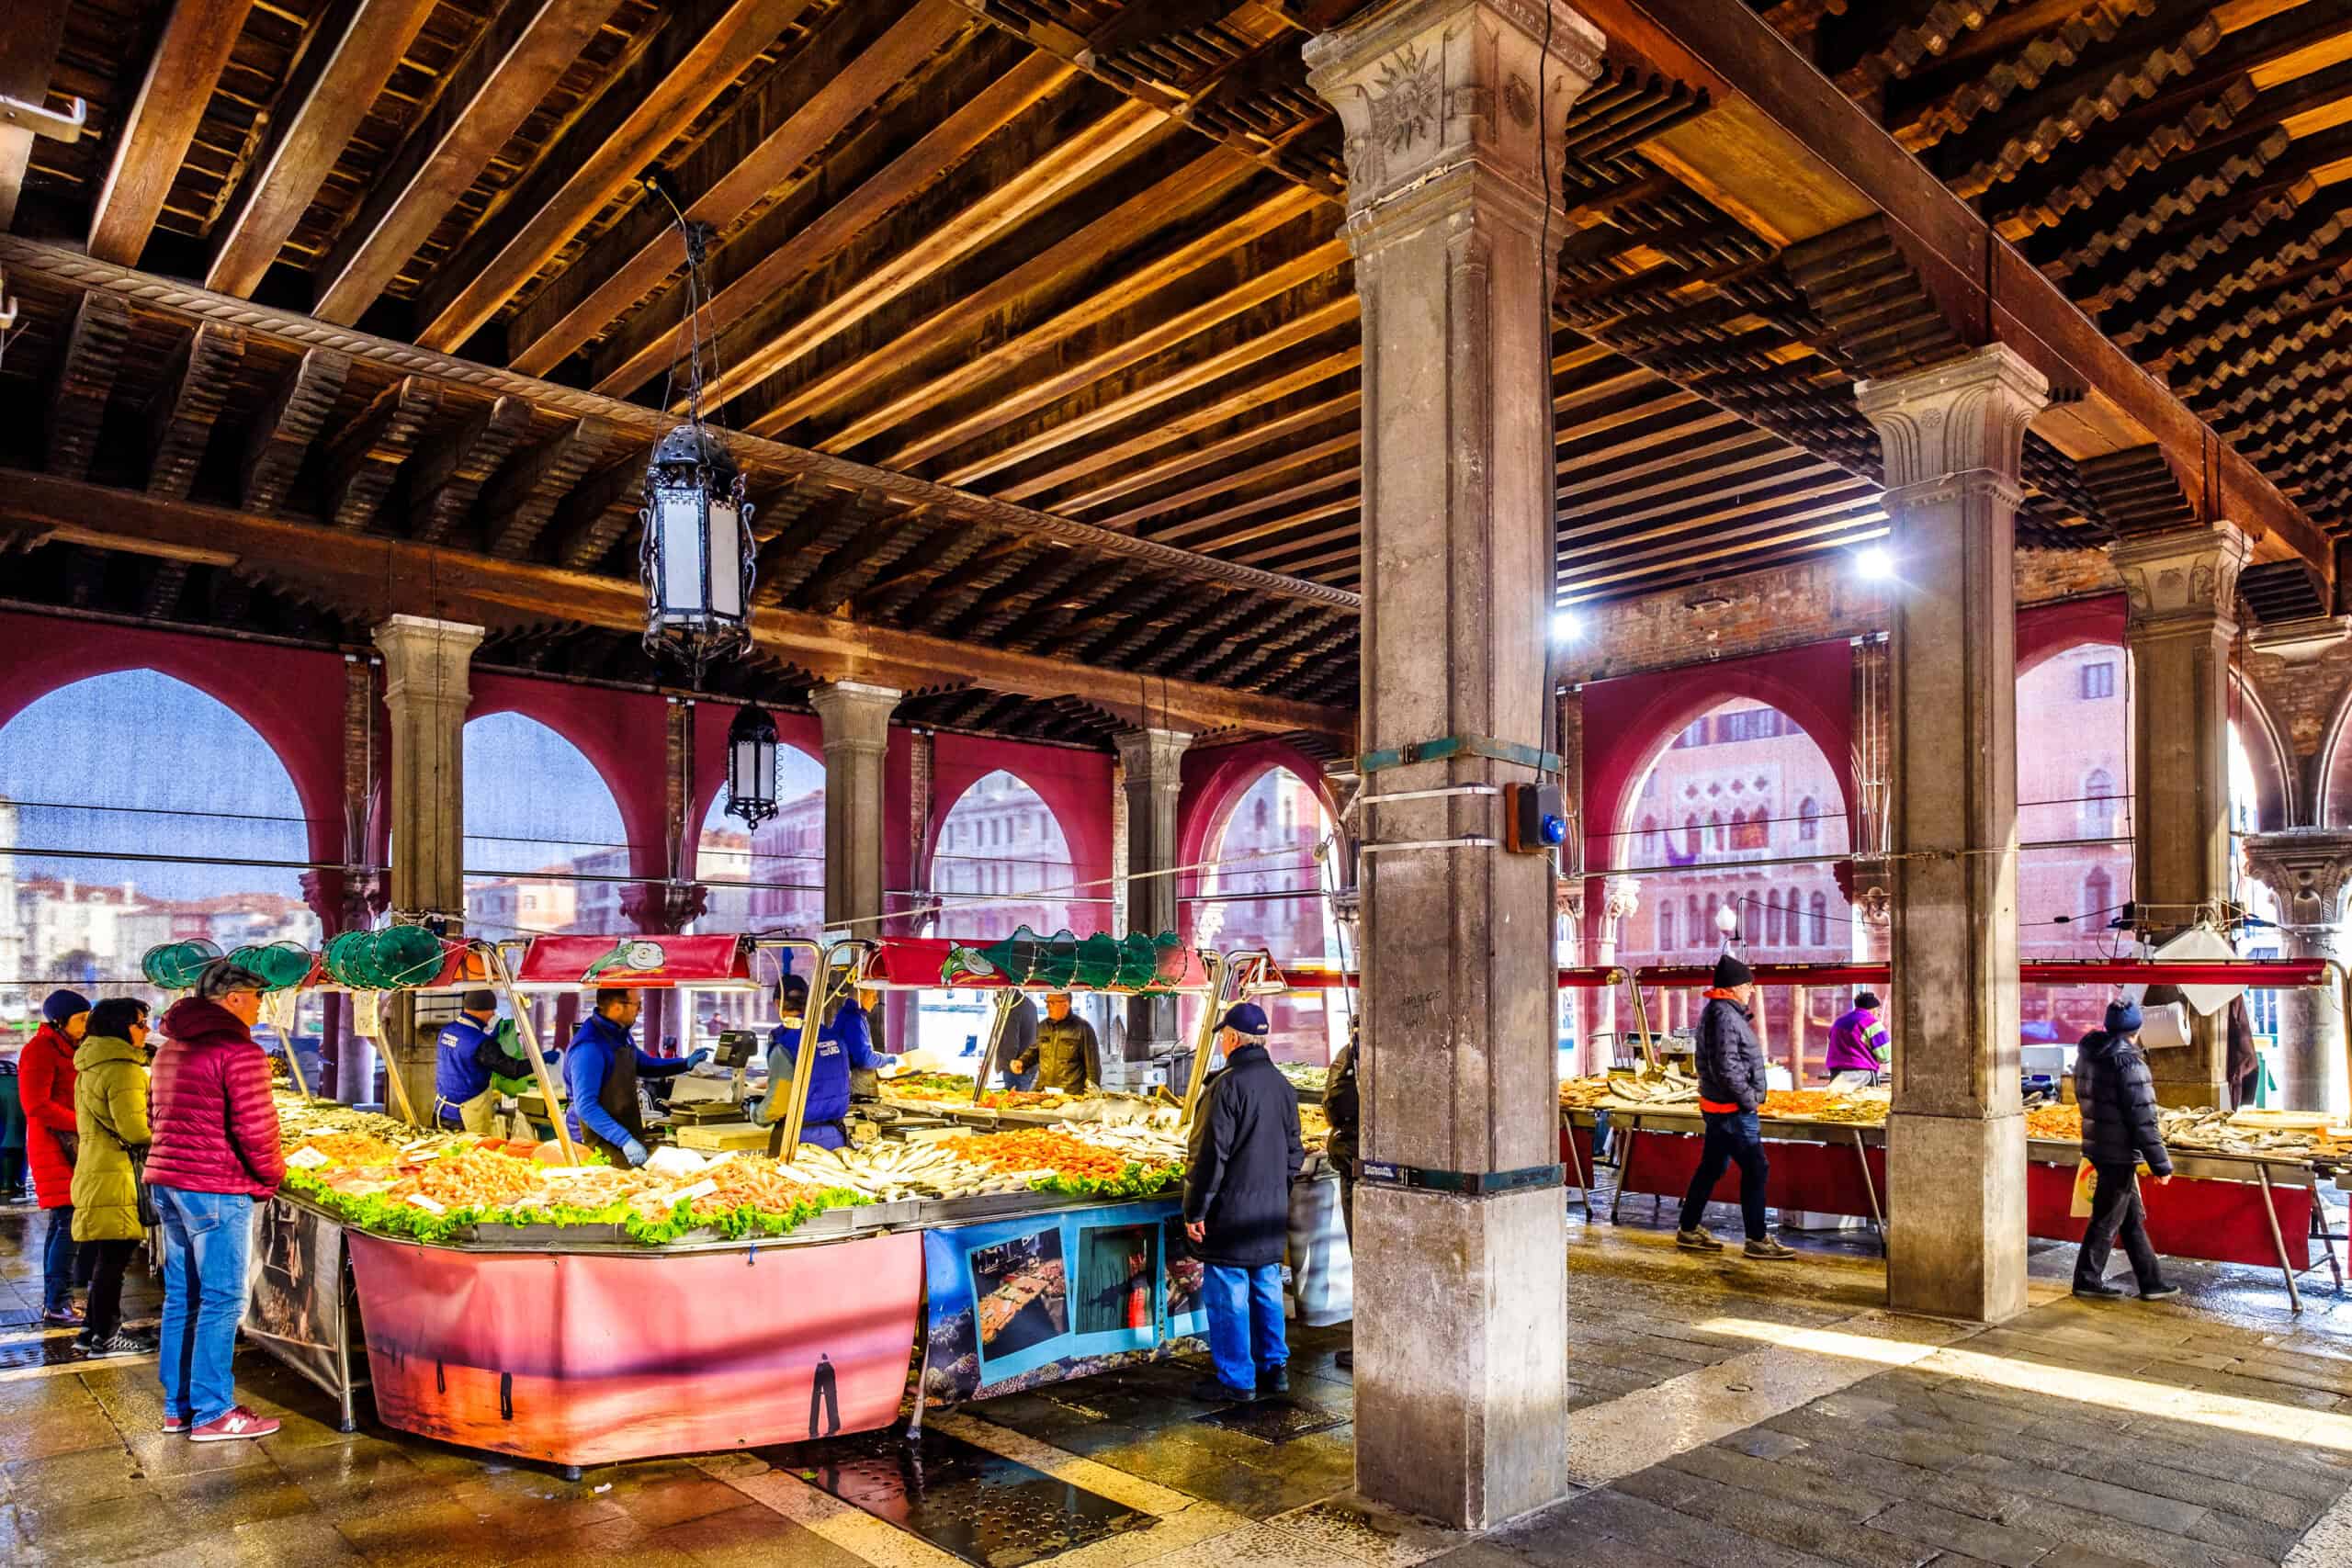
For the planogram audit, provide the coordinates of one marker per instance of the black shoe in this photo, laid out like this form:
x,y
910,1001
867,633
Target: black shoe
x,y
119,1345
2100,1292
1217,1391
1275,1380
1345,1360
2158,1293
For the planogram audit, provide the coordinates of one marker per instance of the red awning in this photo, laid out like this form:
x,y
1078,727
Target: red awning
x,y
918,964
2260,973
656,963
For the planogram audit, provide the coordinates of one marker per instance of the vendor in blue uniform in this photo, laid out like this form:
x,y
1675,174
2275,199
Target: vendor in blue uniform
x,y
845,1042
468,1055
600,1073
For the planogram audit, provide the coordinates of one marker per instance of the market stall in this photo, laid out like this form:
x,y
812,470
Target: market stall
x,y
523,1298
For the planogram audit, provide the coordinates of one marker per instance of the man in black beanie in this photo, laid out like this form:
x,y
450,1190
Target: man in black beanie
x,y
1732,1085
2118,1097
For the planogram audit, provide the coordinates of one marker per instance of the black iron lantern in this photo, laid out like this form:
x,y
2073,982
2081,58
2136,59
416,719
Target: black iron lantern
x,y
751,766
697,558
697,552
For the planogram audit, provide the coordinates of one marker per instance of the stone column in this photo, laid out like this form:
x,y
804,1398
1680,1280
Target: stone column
x,y
856,722
1151,778
1953,436
2182,584
2308,870
1461,1301
426,663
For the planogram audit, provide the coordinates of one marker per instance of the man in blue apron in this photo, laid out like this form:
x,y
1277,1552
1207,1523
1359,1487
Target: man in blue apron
x,y
845,1042
600,1073
465,1055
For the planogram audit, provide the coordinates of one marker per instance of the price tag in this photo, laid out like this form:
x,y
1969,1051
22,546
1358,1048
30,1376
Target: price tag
x,y
700,1189
306,1159
368,1014
428,1205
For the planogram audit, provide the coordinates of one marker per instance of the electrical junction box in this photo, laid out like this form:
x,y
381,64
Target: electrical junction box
x,y
1535,818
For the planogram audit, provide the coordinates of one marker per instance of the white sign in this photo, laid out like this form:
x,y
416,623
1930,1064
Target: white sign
x,y
428,1205
306,1159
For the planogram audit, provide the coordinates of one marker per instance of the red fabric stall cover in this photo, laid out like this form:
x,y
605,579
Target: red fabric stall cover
x,y
2216,1221
586,1358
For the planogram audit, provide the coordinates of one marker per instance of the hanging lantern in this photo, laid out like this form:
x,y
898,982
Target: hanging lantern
x,y
751,766
697,554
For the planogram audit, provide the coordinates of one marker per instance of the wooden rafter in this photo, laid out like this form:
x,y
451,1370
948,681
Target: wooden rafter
x,y
527,492
286,429
450,474
181,418
86,376
367,456
153,138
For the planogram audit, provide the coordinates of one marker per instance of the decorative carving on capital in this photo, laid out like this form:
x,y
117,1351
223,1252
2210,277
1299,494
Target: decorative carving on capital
x,y
1418,84
1623,897
2182,577
1152,757
425,658
1954,425
664,908
2305,638
853,714
2308,870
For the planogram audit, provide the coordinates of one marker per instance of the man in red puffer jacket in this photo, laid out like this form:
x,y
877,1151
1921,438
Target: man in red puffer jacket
x,y
45,1079
216,1154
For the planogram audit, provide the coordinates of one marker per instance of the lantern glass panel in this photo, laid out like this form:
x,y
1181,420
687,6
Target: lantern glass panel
x,y
726,559
681,558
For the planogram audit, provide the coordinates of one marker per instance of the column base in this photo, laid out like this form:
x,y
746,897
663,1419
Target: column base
x,y
1462,1355
1956,1231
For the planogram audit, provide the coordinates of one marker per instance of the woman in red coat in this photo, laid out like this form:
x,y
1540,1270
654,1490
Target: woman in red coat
x,y
45,1078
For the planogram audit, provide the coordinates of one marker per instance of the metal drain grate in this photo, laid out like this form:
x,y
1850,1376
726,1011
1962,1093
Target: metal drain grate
x,y
1274,1420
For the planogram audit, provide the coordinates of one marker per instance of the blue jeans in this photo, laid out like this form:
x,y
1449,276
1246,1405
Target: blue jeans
x,y
1731,1139
61,1267
208,1238
1245,1307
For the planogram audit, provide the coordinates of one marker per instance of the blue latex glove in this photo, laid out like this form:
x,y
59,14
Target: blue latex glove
x,y
634,1152
698,1058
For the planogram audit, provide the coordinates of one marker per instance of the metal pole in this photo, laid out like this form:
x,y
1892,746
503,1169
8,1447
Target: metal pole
x,y
1007,999
2278,1238
1642,1021
1204,1034
802,1057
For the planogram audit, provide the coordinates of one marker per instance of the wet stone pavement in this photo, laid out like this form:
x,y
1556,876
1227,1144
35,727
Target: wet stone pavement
x,y
1723,1413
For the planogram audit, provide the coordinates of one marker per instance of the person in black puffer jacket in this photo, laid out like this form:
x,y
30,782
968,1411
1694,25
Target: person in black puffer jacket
x,y
1732,1085
2117,1098
1244,1153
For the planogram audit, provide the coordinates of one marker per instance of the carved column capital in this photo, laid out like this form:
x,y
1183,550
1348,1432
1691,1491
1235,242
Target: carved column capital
x,y
2308,870
1624,896
1427,87
1954,427
426,659
2183,579
854,715
664,908
1151,757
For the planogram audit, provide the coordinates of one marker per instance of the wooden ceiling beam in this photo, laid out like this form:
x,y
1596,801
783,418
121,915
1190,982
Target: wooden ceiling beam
x,y
1841,163
703,46
1240,478
527,492
282,435
1183,463
1257,289
1210,523
505,75
28,49
152,141
86,374
181,418
401,574
336,80
769,257
591,519
724,179
367,456
450,477
1205,180
789,327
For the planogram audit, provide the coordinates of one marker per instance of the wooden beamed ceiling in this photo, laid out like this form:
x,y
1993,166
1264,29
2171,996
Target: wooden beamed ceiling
x,y
1036,316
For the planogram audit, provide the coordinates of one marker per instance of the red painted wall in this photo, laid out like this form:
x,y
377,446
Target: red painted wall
x,y
1075,787
1215,777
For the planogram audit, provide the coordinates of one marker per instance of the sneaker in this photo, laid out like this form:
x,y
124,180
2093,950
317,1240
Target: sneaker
x,y
1275,1380
175,1425
1217,1391
2101,1292
117,1345
2159,1292
1697,1241
240,1422
1770,1250
1345,1360
63,1317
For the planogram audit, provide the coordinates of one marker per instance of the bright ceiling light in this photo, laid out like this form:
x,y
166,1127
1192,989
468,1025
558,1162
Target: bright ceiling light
x,y
1873,562
1565,625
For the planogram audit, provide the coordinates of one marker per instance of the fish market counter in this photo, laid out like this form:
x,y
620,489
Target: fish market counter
x,y
1817,1167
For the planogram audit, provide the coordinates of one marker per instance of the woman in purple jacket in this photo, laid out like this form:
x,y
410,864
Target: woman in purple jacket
x,y
1859,1051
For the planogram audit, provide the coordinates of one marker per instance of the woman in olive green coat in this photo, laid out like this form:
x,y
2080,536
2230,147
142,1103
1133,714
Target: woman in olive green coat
x,y
110,1115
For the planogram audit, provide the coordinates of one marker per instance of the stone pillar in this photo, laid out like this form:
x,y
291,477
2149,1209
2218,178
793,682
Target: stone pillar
x,y
2182,584
426,663
2308,870
1953,436
1461,1301
1151,778
856,721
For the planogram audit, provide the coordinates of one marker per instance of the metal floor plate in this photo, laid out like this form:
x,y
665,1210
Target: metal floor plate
x,y
1274,1421
989,1510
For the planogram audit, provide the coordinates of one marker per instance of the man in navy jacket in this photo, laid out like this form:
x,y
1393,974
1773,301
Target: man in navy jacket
x,y
1245,1149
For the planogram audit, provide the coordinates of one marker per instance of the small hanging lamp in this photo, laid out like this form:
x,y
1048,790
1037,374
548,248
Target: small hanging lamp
x,y
751,766
697,558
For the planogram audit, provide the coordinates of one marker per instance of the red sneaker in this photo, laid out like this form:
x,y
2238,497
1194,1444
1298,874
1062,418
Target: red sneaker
x,y
240,1422
175,1425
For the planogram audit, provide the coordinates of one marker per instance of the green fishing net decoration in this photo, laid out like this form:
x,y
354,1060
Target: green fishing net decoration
x,y
174,966
384,959
1064,960
282,965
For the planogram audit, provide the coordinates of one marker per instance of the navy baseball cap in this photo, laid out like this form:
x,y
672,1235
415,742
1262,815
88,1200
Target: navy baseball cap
x,y
1247,1020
